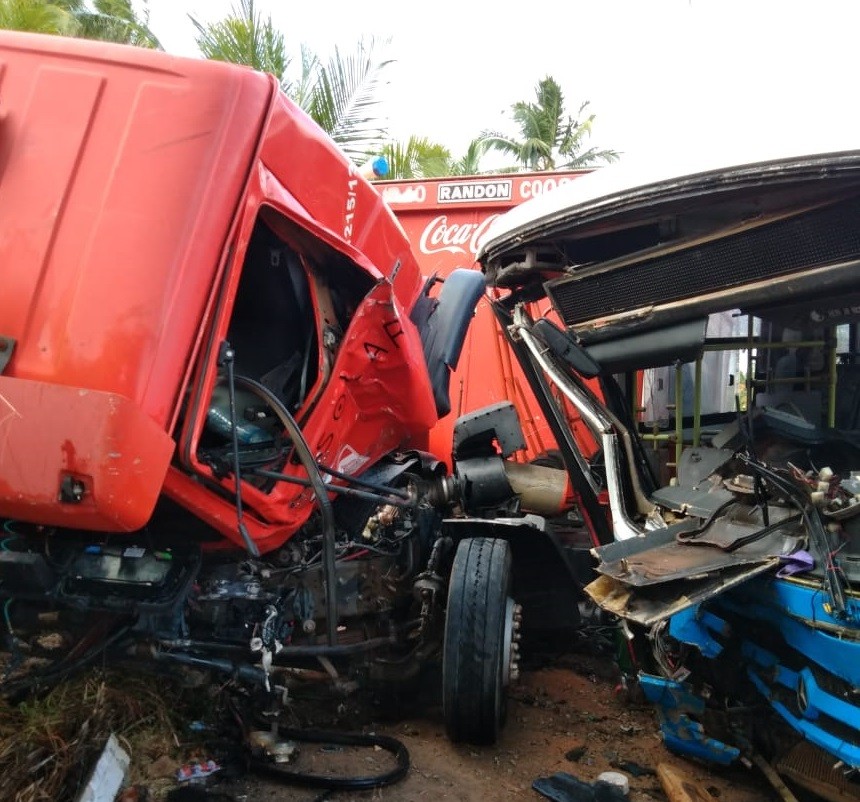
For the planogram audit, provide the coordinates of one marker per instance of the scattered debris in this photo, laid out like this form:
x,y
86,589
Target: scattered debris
x,y
576,754
269,745
773,778
563,787
616,779
679,786
108,775
196,770
632,768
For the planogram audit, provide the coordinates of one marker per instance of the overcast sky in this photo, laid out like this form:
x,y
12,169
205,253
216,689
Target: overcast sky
x,y
664,77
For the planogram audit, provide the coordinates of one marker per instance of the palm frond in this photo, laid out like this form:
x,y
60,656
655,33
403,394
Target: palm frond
x,y
346,96
117,21
470,163
35,17
592,157
418,157
244,37
494,140
302,91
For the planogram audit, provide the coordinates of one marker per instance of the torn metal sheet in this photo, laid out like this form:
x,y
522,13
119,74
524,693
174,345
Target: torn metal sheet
x,y
697,464
696,501
651,605
650,579
694,553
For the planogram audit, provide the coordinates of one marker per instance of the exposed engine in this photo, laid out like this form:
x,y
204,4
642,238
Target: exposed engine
x,y
201,605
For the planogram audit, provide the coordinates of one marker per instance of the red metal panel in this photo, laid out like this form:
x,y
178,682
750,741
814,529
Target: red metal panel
x,y
121,174
329,188
445,219
102,441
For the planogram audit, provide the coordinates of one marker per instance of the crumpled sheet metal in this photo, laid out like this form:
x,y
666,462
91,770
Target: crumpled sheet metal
x,y
676,553
649,579
650,605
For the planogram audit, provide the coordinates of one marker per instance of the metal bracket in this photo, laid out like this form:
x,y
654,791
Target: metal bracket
x,y
7,346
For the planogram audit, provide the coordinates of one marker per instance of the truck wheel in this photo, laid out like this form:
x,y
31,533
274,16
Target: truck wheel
x,y
481,646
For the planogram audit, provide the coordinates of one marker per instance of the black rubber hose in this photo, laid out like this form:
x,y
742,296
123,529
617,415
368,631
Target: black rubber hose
x,y
337,489
383,489
391,745
240,670
319,487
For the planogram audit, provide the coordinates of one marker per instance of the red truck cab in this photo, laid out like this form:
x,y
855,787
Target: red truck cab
x,y
135,186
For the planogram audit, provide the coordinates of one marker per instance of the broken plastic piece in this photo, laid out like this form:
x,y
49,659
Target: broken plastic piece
x,y
108,774
681,734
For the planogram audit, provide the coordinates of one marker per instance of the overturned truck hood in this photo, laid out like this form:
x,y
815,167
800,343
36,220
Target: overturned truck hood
x,y
119,173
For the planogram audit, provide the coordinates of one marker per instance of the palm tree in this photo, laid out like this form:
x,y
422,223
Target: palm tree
x,y
35,16
106,20
418,157
246,38
549,137
111,21
341,95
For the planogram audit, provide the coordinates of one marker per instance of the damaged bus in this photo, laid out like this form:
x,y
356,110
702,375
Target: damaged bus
x,y
718,309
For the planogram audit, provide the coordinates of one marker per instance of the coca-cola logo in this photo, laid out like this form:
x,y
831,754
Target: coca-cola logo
x,y
440,235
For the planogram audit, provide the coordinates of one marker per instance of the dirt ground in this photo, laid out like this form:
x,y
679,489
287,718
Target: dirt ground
x,y
565,714
562,717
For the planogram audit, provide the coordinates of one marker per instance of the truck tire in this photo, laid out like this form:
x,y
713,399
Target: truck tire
x,y
480,647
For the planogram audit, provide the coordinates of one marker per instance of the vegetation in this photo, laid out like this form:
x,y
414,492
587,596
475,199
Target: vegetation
x,y
548,137
340,94
50,741
106,20
421,158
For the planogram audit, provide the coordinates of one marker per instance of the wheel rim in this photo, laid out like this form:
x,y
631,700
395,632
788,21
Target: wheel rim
x,y
511,648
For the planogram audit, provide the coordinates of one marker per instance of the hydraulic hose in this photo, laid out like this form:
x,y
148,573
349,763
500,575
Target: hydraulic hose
x,y
319,487
271,770
358,783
